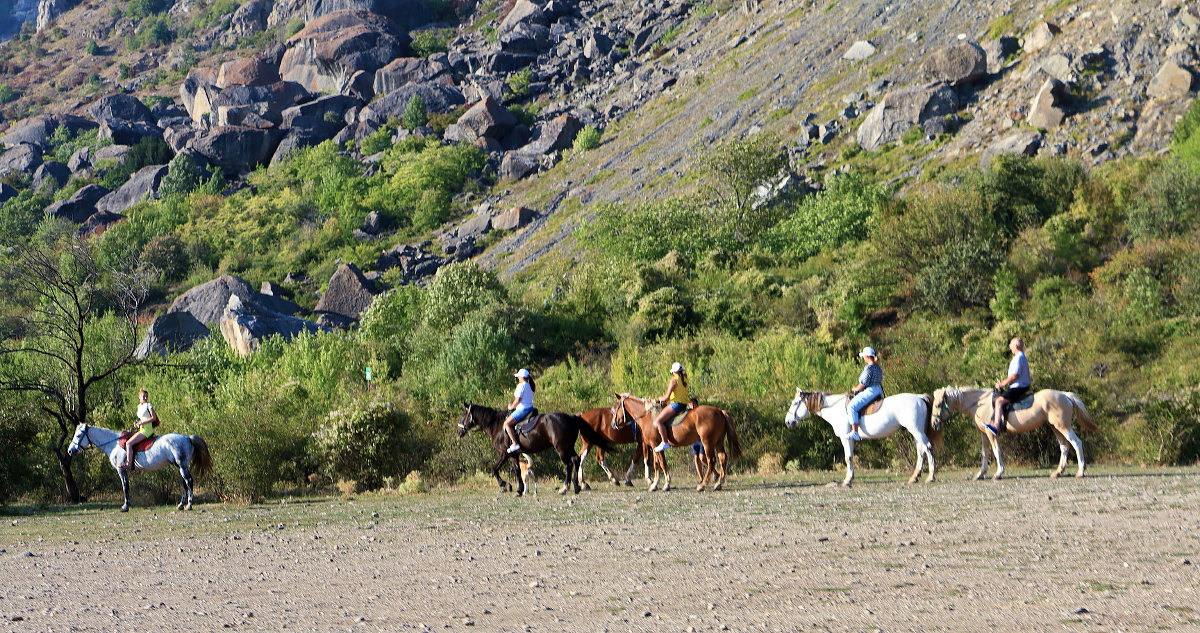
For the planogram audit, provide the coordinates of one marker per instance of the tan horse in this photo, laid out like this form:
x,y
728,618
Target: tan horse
x,y
710,426
1060,408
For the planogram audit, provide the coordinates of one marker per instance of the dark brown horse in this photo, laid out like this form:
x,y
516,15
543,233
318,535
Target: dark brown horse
x,y
711,426
554,430
600,419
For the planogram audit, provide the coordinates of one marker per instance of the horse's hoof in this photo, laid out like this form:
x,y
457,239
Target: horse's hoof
x,y
717,487
977,477
124,508
996,477
562,491
586,486
1054,475
653,488
912,480
1079,475
187,508
930,480
179,507
699,488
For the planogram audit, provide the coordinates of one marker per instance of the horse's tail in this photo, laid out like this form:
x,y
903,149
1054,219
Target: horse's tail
x,y
1081,412
731,437
200,456
932,431
590,435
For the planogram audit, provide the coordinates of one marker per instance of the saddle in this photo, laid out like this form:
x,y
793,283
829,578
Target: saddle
x,y
677,419
141,446
1013,407
526,426
872,406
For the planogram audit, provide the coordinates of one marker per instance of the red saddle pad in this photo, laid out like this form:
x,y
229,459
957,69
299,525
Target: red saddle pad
x,y
141,446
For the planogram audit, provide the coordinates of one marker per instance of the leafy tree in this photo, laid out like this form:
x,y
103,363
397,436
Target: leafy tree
x,y
845,211
76,330
415,115
730,174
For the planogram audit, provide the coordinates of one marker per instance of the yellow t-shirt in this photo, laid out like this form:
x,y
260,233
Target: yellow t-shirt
x,y
679,393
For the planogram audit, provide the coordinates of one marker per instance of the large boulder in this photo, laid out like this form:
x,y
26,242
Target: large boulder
x,y
517,165
6,193
956,64
98,223
250,18
998,52
142,184
171,333
484,119
405,70
80,206
245,325
437,95
237,149
20,159
348,294
50,175
207,301
513,219
1171,82
1020,142
1046,111
252,71
556,134
38,130
859,51
123,119
197,91
1041,36
256,106
406,14
902,109
523,12
325,55
330,105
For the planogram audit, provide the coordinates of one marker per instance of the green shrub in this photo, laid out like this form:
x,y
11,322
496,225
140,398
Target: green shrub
x,y
91,48
378,141
1006,304
7,93
587,139
845,211
358,441
428,42
519,83
1169,203
166,255
415,114
961,276
145,8
183,177
1186,142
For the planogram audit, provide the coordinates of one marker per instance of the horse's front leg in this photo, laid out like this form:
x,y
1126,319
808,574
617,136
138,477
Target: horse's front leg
x,y
999,462
637,453
920,460
124,475
582,457
667,472
983,455
569,473
517,474
577,465
1062,453
186,502
504,485
932,465
848,447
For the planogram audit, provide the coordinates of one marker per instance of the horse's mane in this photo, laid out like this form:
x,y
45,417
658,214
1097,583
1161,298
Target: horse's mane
x,y
487,416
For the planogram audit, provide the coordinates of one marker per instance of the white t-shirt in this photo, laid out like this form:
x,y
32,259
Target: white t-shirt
x,y
145,412
524,393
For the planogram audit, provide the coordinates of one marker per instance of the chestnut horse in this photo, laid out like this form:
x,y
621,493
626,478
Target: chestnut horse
x,y
555,430
600,419
711,426
1059,408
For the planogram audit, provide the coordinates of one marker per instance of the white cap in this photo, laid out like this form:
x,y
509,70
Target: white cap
x,y
676,368
523,373
868,351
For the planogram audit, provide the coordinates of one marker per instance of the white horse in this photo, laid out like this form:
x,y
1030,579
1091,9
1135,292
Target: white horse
x,y
907,410
172,448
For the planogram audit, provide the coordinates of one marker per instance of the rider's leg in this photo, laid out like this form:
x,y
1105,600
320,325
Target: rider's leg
x,y
660,423
998,412
129,444
510,427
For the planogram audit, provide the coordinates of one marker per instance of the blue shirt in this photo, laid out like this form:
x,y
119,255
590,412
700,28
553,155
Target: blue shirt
x,y
1019,366
872,376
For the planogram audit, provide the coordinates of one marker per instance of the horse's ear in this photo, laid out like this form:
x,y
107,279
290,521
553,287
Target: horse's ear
x,y
465,405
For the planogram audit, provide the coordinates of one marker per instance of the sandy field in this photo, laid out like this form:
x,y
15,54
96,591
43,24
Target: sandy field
x,y
1116,551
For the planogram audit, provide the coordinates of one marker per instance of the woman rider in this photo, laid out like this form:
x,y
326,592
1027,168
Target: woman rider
x,y
521,407
147,420
869,387
676,400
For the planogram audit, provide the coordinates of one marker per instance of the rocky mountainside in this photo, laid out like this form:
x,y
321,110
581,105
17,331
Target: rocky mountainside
x,y
852,84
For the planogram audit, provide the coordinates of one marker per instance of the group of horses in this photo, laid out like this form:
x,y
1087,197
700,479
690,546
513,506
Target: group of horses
x,y
630,421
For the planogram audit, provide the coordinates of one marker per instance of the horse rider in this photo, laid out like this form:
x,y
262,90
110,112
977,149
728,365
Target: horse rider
x,y
869,387
1014,387
676,401
521,406
147,419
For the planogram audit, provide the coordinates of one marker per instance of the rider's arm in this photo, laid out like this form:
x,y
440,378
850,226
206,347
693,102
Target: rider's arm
x,y
1007,381
670,388
513,405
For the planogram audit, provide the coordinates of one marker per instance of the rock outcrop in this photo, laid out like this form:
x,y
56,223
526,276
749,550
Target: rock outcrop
x,y
207,301
245,325
900,110
332,48
348,293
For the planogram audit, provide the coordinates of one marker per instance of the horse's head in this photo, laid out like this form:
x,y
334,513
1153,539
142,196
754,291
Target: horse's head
x,y
943,400
620,417
467,422
80,441
804,403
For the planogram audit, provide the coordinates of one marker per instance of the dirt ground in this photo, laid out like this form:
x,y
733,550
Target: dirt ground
x,y
1117,551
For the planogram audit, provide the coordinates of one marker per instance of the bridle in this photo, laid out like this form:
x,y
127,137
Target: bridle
x,y
624,415
86,436
469,415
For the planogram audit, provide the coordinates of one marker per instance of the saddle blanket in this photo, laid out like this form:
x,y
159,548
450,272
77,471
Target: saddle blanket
x,y
530,423
1021,405
141,446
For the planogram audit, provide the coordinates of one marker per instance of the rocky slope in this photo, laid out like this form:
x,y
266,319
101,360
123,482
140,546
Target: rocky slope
x,y
849,84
